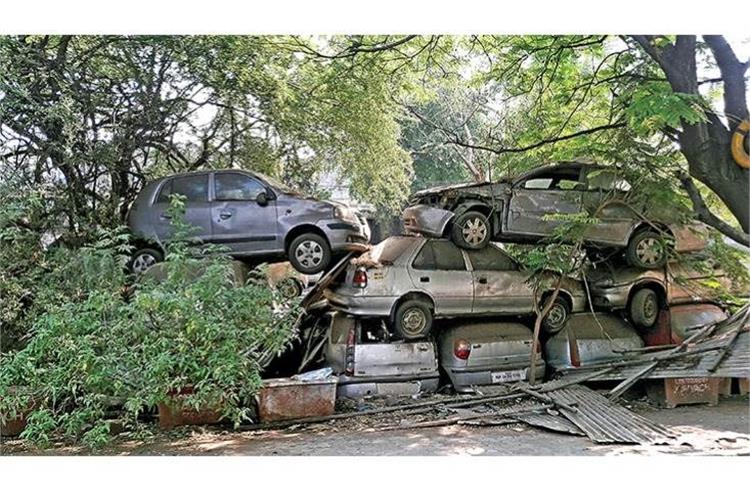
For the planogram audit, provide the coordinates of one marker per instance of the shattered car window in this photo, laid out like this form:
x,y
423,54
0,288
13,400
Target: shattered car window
x,y
491,259
439,255
606,181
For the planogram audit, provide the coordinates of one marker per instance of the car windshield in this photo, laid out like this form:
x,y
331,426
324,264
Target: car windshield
x,y
390,249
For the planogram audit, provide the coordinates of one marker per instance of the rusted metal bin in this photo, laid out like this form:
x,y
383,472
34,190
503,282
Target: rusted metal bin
x,y
672,392
287,398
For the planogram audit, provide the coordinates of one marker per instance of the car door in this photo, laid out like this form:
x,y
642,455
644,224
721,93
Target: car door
x,y
197,206
439,269
604,197
534,201
240,222
499,283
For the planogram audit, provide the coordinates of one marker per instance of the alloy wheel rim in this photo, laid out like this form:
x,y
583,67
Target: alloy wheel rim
x,y
474,231
143,262
414,321
649,251
309,253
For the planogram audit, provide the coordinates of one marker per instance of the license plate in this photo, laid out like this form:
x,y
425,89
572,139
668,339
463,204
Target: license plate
x,y
508,376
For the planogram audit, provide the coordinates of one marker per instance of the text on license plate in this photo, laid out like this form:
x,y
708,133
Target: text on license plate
x,y
507,376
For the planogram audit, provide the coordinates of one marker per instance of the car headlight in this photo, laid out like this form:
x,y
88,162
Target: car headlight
x,y
345,213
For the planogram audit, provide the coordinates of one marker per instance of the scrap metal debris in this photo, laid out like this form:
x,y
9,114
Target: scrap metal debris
x,y
717,350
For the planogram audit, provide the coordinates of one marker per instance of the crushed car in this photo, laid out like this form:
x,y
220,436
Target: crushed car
x,y
411,280
643,293
530,208
589,338
486,353
368,363
253,215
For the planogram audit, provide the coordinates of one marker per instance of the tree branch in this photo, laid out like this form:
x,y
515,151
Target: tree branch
x,y
704,214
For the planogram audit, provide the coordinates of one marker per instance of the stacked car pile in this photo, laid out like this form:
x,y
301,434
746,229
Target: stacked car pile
x,y
408,287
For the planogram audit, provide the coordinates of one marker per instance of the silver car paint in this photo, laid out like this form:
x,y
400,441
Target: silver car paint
x,y
499,348
453,293
236,225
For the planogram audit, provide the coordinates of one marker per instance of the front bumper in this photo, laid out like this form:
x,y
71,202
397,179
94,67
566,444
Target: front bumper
x,y
377,306
345,235
610,298
463,378
426,220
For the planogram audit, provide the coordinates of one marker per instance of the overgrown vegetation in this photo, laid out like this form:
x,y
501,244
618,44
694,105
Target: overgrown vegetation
x,y
108,351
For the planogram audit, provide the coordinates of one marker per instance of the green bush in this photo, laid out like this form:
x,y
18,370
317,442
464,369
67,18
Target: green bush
x,y
110,351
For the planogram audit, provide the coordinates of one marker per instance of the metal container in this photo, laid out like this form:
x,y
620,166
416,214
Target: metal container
x,y
287,398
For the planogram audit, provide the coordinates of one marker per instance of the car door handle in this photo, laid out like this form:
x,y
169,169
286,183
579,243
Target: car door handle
x,y
225,215
424,279
482,280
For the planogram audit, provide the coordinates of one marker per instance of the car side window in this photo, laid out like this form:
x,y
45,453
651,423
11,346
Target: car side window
x,y
193,187
606,180
440,255
236,187
491,259
540,183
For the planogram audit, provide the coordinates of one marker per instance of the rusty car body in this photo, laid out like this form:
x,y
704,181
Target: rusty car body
x,y
642,293
686,319
368,363
533,206
411,280
590,338
487,353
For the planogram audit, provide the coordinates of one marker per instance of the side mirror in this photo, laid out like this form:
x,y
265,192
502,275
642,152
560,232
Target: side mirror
x,y
262,199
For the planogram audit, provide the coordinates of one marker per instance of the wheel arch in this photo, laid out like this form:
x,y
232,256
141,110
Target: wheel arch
x,y
656,286
563,293
473,205
301,229
412,295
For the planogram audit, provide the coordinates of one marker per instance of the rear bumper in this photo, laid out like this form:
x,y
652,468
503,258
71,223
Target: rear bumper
x,y
463,378
361,386
377,306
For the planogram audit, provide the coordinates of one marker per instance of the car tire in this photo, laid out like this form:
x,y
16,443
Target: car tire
x,y
289,288
143,258
309,253
644,308
647,250
413,319
471,230
557,316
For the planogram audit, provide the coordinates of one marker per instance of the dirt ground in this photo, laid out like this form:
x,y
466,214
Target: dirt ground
x,y
720,430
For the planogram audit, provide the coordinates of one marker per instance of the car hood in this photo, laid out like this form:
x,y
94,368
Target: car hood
x,y
444,188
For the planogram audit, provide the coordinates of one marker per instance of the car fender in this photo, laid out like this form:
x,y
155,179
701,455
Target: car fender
x,y
494,215
417,292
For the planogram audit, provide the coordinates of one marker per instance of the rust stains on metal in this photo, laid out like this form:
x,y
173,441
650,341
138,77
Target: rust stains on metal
x,y
285,398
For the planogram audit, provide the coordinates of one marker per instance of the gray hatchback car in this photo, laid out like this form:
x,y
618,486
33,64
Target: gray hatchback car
x,y
252,214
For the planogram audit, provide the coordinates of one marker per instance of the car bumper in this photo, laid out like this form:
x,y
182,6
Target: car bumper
x,y
463,378
344,235
377,306
361,386
611,298
426,220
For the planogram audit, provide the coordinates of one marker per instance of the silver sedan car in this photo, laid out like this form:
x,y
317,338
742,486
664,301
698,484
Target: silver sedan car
x,y
412,280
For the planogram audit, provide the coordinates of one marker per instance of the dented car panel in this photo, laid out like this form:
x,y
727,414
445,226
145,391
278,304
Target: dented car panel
x,y
495,353
370,365
685,319
692,237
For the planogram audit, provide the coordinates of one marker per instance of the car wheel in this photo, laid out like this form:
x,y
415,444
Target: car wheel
x,y
647,250
644,308
309,253
144,258
557,316
471,230
413,319
289,288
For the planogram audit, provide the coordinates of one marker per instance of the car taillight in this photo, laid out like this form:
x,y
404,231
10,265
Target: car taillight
x,y
360,278
350,345
462,349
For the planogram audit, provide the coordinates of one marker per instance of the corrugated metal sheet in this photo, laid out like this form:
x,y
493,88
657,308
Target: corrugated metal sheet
x,y
606,422
554,423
